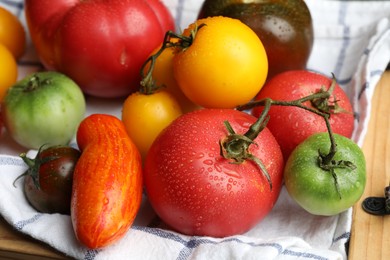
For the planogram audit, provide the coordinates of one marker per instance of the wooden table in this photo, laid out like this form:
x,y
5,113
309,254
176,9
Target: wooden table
x,y
370,237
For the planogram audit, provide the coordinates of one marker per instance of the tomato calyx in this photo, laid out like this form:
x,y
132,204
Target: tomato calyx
x,y
36,82
171,40
34,166
323,104
236,147
322,107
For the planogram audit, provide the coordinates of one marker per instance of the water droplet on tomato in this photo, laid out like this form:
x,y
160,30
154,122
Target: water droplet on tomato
x,y
208,162
229,187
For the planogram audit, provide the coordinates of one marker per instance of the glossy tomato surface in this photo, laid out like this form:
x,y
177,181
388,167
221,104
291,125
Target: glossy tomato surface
x,y
49,178
315,188
145,116
99,44
225,65
43,108
195,190
284,27
292,125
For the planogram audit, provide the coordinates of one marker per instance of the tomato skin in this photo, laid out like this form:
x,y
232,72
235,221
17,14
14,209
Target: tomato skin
x,y
313,188
225,66
107,56
12,34
9,71
292,125
43,108
164,77
195,190
54,177
284,27
145,116
107,182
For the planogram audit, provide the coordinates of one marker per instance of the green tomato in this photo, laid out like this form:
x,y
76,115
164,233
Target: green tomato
x,y
315,188
43,108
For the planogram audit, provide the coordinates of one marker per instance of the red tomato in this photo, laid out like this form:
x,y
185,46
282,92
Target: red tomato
x,y
292,125
195,190
99,44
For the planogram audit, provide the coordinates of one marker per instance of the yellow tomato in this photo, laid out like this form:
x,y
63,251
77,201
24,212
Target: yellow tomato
x,y
163,76
8,70
145,116
225,65
12,34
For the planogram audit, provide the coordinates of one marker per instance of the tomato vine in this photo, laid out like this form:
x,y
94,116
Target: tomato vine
x,y
236,147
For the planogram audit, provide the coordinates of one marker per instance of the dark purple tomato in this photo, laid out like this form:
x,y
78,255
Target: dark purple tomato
x,y
48,180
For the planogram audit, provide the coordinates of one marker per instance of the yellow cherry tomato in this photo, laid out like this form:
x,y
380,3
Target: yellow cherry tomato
x,y
224,66
8,70
163,75
12,33
145,116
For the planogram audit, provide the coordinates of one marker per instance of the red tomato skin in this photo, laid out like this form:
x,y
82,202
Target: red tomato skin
x,y
99,44
292,125
107,182
195,190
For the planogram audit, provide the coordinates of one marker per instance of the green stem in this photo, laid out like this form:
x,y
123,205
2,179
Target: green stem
x,y
148,84
237,146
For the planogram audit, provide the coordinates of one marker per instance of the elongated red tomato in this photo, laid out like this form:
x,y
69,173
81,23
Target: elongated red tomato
x,y
107,184
196,190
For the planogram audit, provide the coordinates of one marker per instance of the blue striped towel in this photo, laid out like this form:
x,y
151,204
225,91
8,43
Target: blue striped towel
x,y
352,40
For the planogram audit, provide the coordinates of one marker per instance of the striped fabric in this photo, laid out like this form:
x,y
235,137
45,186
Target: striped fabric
x,y
352,40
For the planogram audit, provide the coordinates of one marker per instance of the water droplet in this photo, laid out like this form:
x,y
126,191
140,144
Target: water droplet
x,y
229,187
208,162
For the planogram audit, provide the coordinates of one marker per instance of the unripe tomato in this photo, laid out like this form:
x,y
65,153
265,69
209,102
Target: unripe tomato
x,y
43,108
316,189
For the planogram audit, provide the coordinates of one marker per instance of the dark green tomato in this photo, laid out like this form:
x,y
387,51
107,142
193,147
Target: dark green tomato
x,y
48,180
314,188
284,27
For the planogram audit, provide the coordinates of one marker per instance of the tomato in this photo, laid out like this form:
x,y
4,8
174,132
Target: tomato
x,y
43,108
144,116
12,34
315,188
292,125
196,190
9,70
162,73
49,177
224,66
107,182
101,45
284,27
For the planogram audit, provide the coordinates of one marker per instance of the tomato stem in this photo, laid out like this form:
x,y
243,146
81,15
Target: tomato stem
x,y
171,40
236,146
34,166
35,82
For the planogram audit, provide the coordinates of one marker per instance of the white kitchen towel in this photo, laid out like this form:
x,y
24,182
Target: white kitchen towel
x,y
352,40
